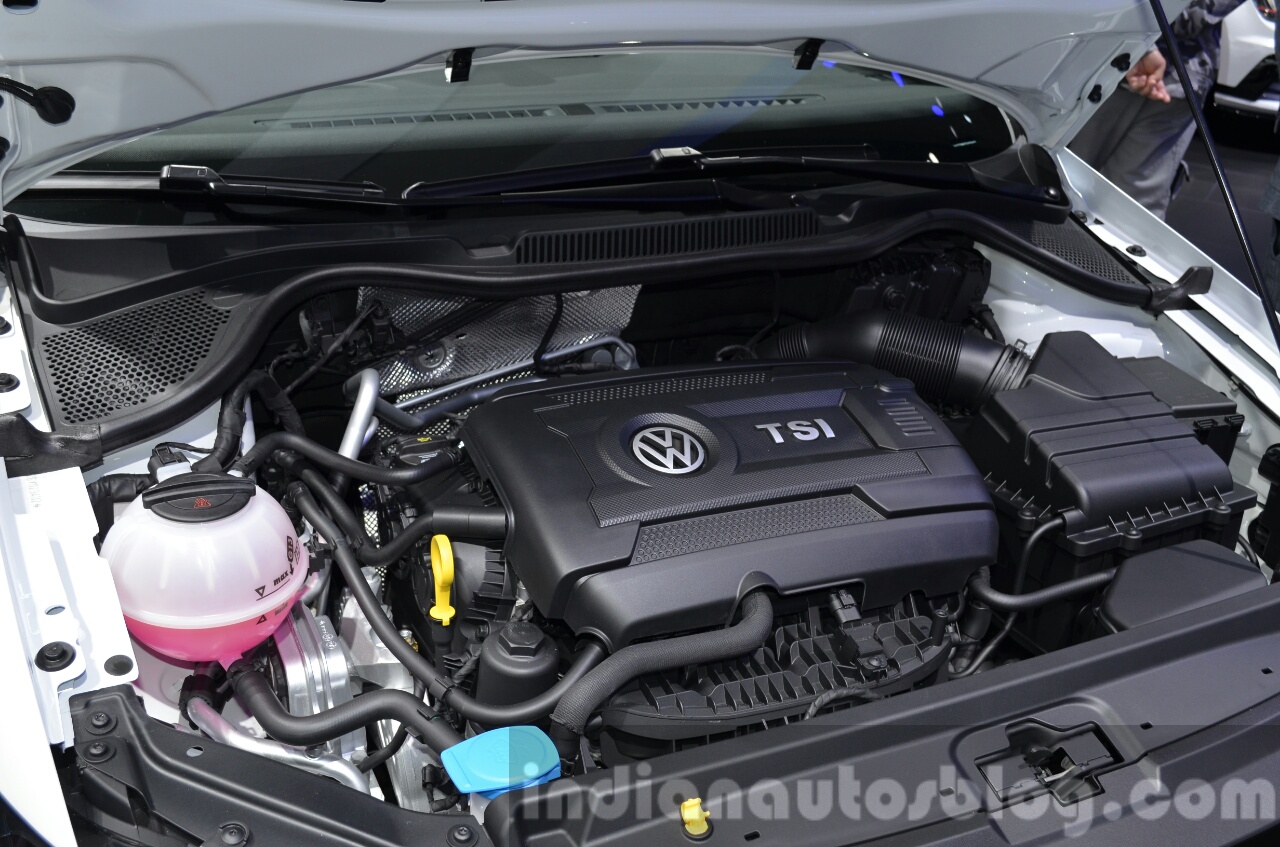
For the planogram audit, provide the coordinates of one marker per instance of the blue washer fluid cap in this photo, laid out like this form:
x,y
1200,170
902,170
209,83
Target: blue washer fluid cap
x,y
502,760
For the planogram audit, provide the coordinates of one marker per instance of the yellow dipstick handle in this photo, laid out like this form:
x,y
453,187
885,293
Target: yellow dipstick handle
x,y
694,817
442,574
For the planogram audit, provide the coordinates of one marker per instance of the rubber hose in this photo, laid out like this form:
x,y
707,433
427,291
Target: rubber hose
x,y
395,743
439,687
104,492
480,522
383,754
432,464
402,420
231,418
257,696
1019,579
570,717
980,586
346,519
946,363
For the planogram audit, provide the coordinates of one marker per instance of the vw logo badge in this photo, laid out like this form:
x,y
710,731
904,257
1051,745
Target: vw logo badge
x,y
668,450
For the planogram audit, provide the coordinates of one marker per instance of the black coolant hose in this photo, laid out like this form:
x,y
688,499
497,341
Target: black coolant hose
x,y
980,587
946,363
231,418
256,695
1037,535
479,522
441,688
106,491
431,464
570,717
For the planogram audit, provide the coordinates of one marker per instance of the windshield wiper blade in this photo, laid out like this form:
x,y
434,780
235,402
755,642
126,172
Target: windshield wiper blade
x,y
658,164
204,182
1024,171
560,176
197,179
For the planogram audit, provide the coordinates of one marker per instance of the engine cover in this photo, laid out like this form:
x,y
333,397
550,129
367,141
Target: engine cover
x,y
648,503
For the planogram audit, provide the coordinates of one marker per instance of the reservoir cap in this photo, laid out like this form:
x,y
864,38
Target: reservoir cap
x,y
198,497
502,760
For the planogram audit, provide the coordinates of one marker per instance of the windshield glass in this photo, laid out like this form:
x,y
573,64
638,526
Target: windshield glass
x,y
520,110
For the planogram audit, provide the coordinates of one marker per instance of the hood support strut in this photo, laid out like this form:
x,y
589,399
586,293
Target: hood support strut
x,y
1268,302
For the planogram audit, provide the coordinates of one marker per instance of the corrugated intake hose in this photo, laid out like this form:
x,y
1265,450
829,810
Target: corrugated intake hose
x,y
946,363
570,717
256,695
980,587
442,689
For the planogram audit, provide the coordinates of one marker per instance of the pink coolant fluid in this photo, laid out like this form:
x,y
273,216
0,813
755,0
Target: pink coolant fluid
x,y
206,566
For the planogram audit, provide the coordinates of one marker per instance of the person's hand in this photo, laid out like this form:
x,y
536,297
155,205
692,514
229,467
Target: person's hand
x,y
1147,77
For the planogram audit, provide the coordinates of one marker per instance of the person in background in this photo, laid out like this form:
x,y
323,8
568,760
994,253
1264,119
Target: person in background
x,y
1139,135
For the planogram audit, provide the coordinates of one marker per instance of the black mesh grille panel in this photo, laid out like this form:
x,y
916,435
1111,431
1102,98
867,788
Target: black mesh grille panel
x,y
677,538
1072,244
666,239
127,360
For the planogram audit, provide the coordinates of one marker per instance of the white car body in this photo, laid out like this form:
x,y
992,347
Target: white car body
x,y
1248,44
137,66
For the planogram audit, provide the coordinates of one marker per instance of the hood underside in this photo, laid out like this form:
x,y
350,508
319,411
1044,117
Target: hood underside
x,y
137,66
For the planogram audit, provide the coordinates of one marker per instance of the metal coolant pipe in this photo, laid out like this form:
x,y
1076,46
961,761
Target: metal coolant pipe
x,y
214,725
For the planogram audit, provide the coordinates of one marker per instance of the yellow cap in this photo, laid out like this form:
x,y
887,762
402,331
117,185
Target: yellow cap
x,y
694,817
442,573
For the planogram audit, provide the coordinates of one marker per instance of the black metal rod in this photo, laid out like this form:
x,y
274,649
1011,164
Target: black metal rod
x,y
1218,172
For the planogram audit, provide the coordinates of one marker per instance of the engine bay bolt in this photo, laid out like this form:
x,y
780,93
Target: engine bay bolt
x,y
5,326
99,720
8,382
1136,250
55,656
96,749
461,836
233,834
694,818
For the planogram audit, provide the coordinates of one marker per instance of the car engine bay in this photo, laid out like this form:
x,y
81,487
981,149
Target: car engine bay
x,y
618,523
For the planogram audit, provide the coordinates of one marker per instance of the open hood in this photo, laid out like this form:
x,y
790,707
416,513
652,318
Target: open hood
x,y
136,66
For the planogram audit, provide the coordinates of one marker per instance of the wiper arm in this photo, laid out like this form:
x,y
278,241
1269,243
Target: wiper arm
x,y
1024,171
197,179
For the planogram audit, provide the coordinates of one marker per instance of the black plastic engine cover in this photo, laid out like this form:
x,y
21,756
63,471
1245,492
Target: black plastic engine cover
x,y
648,503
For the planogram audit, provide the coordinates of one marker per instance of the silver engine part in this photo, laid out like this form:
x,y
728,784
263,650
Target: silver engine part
x,y
317,674
371,661
214,725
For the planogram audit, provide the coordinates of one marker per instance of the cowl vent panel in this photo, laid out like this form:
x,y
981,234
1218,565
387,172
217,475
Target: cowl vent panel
x,y
670,238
